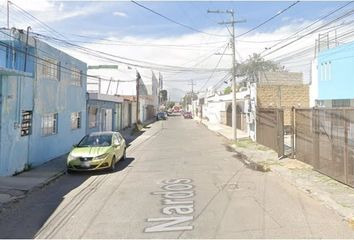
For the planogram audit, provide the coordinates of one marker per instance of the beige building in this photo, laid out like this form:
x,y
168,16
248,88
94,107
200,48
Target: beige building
x,y
278,90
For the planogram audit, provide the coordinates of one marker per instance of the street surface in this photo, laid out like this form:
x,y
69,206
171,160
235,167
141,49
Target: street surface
x,y
179,181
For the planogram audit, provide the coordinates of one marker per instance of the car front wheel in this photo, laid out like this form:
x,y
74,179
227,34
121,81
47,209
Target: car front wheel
x,y
124,154
113,164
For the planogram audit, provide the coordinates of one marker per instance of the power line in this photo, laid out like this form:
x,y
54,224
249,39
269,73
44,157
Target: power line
x,y
36,19
308,26
204,58
221,81
288,38
138,63
214,69
268,20
316,29
173,21
89,51
305,50
68,70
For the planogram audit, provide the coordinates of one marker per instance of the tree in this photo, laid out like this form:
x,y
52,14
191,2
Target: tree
x,y
170,104
163,95
227,90
255,64
188,98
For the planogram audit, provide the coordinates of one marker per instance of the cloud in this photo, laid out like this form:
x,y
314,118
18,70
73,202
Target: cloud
x,y
120,14
197,50
47,11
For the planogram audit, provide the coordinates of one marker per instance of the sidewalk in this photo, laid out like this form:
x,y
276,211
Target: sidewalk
x,y
13,188
223,130
331,193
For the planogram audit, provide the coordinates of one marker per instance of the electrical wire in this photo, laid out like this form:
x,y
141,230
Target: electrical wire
x,y
221,56
303,51
268,20
133,62
67,70
173,21
308,26
311,32
36,19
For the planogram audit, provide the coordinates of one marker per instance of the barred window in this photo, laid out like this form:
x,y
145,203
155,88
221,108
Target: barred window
x,y
50,124
336,103
76,75
26,124
50,68
75,120
92,117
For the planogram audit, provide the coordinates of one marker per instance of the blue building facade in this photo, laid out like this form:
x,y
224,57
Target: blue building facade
x,y
104,112
42,102
335,73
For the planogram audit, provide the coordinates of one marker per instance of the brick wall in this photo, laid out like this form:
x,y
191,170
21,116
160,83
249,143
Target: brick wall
x,y
280,78
284,96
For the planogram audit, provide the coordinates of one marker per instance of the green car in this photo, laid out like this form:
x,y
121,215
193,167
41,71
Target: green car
x,y
98,150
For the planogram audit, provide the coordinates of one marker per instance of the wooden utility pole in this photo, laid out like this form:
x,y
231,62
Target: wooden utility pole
x,y
232,23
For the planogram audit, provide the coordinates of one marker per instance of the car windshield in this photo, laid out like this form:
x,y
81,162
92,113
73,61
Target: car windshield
x,y
101,140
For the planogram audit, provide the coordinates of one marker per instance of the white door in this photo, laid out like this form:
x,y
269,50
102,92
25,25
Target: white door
x,y
107,120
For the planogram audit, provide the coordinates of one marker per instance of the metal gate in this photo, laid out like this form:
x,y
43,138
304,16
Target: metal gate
x,y
270,129
229,115
304,136
325,140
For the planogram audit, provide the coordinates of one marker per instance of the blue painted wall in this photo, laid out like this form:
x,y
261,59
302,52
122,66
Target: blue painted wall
x,y
101,105
336,73
42,95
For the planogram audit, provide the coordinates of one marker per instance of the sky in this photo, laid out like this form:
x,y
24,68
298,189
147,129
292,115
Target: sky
x,y
132,32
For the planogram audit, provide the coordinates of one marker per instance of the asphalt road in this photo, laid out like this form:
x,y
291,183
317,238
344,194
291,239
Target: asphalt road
x,y
179,181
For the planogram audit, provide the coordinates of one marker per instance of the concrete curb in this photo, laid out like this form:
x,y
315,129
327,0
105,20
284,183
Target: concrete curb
x,y
33,189
243,158
306,187
317,194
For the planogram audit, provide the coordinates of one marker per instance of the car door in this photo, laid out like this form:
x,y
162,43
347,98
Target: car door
x,y
117,146
122,140
122,144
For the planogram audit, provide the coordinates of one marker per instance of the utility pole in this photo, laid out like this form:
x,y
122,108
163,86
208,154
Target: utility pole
x,y
138,77
192,95
8,14
25,64
192,84
232,23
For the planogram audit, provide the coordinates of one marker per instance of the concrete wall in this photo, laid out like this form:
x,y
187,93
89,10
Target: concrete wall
x,y
336,73
62,97
126,115
14,148
40,94
102,106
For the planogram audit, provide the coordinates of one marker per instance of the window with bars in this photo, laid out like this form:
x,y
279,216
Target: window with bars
x,y
75,120
337,103
50,124
26,124
50,69
76,77
326,71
